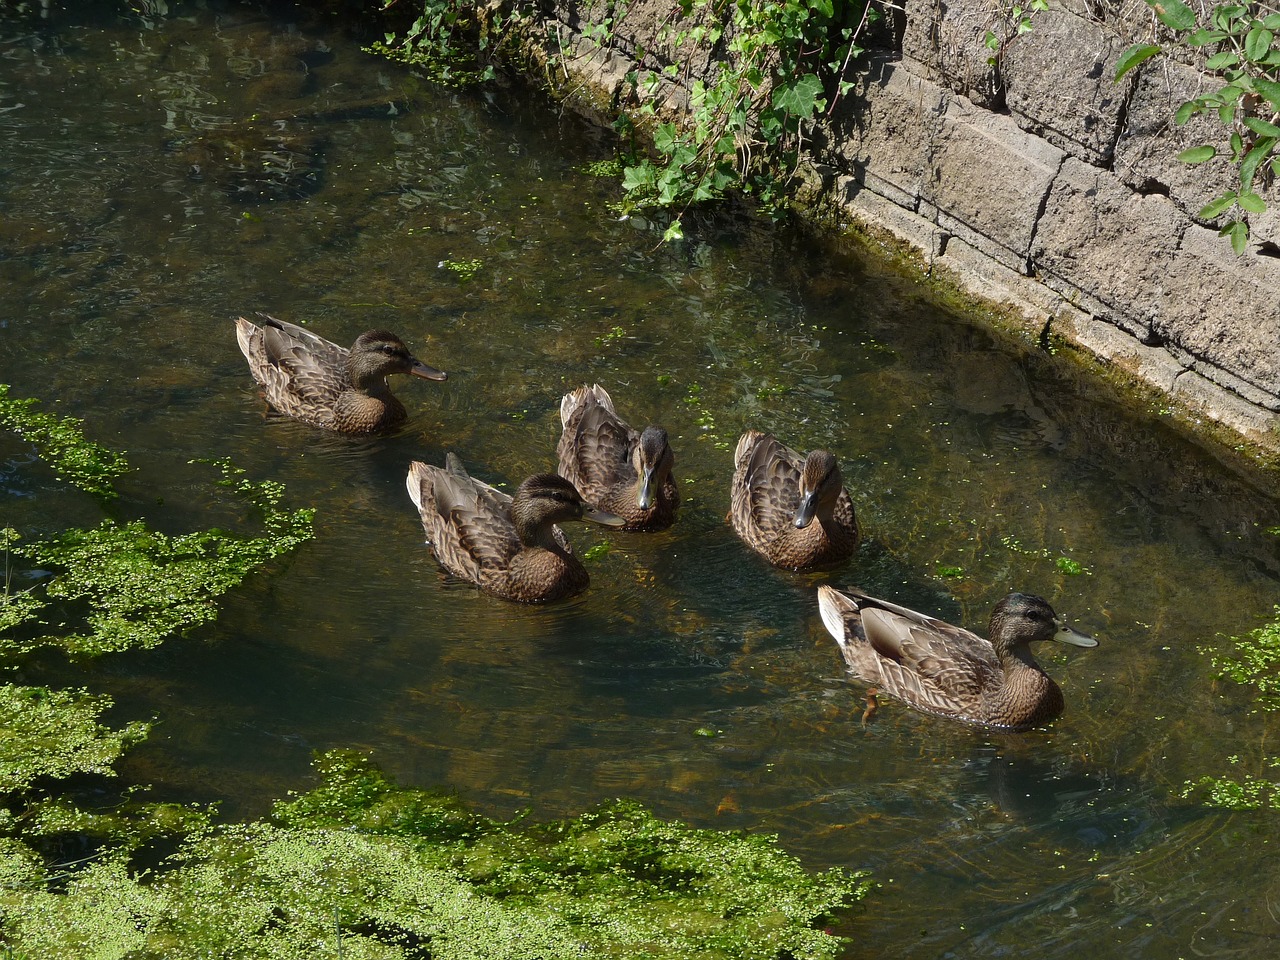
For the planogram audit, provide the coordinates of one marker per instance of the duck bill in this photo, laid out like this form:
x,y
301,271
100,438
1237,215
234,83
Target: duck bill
x,y
602,516
1072,636
804,513
644,489
420,369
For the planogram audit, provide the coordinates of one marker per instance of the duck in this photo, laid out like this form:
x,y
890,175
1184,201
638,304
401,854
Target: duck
x,y
307,377
615,468
946,670
508,546
791,509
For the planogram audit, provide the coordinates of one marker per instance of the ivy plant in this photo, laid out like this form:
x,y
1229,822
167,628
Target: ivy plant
x,y
1238,43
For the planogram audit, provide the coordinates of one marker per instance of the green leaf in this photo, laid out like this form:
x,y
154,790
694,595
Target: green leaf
x,y
1218,61
1252,203
1198,154
1203,37
1226,113
1268,89
1174,14
665,138
1272,22
1238,231
1249,165
1257,43
674,232
1261,127
800,97
1138,53
1216,208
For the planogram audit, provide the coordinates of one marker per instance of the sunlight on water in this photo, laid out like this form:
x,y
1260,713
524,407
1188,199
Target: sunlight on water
x,y
174,172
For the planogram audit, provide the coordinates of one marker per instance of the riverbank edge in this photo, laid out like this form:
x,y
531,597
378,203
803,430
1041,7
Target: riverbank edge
x,y
942,244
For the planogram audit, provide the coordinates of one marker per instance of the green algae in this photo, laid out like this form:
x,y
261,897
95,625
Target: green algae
x,y
360,867
140,586
62,444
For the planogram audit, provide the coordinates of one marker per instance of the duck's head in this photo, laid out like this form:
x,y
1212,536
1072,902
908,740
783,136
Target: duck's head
x,y
380,353
820,486
548,498
653,461
1022,618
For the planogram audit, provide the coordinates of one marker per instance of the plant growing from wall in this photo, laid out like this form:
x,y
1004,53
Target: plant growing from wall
x,y
1238,43
785,63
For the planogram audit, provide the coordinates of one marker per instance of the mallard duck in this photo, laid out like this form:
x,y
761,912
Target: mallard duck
x,y
615,468
509,546
942,669
777,495
307,377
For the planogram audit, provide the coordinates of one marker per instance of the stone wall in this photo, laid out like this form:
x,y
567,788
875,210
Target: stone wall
x,y
1038,183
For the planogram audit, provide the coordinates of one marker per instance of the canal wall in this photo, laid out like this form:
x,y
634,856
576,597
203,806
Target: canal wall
x,y
1036,183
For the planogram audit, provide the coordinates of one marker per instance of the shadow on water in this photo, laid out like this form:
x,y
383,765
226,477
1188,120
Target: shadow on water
x,y
173,171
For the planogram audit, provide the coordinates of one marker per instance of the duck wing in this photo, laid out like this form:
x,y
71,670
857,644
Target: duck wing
x,y
769,482
929,663
314,368
595,448
467,522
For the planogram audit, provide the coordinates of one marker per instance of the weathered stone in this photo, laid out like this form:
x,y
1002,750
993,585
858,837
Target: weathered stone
x,y
946,40
1107,248
987,181
1210,307
885,131
1146,154
1058,84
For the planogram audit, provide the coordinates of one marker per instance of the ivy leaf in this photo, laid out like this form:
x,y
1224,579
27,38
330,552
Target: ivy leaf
x,y
1138,53
1174,14
1198,154
800,97
674,232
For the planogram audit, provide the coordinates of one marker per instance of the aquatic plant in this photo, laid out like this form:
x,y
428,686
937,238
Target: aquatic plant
x,y
63,445
1254,661
141,586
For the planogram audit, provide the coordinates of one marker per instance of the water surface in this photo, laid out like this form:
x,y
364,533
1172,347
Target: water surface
x,y
165,172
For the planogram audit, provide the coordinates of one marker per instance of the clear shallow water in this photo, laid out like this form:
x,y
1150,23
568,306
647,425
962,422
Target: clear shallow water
x,y
127,243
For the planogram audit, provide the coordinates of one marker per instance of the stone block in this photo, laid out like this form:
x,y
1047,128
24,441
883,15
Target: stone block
x,y
987,180
884,130
946,38
1058,84
1220,309
1107,248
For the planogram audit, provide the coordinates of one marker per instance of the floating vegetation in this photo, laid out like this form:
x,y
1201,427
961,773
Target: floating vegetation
x,y
464,270
141,586
1255,662
63,445
1065,565
56,733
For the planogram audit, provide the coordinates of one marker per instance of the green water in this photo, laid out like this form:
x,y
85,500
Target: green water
x,y
690,675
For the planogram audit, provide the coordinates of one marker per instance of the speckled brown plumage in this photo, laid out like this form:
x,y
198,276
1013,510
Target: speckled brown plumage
x,y
946,670
508,546
307,377
793,510
616,469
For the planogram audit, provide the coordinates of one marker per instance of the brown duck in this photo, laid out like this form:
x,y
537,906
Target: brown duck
x,y
508,546
793,510
942,669
307,377
616,469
